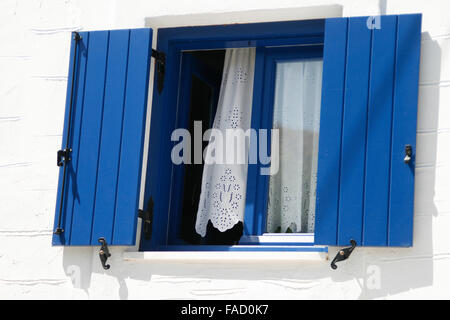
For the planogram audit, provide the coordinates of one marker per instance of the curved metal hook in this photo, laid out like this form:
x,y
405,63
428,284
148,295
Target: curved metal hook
x,y
343,254
104,253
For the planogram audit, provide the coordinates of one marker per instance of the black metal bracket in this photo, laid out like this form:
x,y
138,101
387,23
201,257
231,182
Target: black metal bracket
x,y
58,231
343,254
104,253
160,58
76,36
408,153
147,219
63,156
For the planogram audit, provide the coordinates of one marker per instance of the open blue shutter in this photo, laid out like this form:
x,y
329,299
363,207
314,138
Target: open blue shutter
x,y
365,190
102,183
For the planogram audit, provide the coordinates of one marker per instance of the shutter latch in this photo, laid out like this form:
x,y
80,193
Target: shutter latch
x,y
160,58
408,153
104,253
147,218
63,156
343,254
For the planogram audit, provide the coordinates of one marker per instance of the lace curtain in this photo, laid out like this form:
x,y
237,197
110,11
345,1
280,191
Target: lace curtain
x,y
292,190
222,198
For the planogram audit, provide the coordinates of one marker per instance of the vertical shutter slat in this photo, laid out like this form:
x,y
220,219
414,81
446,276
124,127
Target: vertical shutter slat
x,y
330,140
77,110
354,131
375,188
105,202
86,174
376,195
404,129
132,136
109,111
77,114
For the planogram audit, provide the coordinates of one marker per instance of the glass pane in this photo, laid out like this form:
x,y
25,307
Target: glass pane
x,y
292,189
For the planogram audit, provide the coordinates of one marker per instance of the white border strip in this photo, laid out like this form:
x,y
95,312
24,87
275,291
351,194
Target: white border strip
x,y
225,256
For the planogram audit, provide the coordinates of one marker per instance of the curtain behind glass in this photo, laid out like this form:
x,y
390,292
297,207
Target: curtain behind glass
x,y
292,191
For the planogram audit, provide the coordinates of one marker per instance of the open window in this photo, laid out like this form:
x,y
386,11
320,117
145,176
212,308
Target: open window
x,y
292,108
335,100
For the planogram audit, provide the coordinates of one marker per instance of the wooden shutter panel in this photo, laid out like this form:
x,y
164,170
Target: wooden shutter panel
x,y
102,181
365,190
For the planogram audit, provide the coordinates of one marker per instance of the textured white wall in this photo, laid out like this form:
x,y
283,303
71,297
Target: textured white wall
x,y
34,55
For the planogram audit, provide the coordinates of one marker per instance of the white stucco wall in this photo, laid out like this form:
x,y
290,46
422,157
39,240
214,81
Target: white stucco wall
x,y
34,56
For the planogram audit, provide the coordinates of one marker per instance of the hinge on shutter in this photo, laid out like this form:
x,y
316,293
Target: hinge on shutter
x,y
160,58
147,219
343,254
65,153
63,156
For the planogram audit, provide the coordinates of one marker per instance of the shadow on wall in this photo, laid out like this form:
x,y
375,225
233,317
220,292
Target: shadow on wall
x,y
82,265
400,270
77,263
369,273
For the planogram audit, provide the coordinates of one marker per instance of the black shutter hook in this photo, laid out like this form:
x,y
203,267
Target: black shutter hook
x,y
408,153
104,253
343,254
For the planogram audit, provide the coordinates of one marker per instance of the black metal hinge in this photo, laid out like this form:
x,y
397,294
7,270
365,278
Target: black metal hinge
x,y
160,58
63,156
104,253
147,219
343,254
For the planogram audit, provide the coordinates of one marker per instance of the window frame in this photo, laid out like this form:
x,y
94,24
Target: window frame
x,y
173,41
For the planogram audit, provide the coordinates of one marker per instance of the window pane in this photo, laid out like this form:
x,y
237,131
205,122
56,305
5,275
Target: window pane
x,y
292,189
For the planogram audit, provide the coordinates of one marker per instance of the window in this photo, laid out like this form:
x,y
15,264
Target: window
x,y
203,59
341,94
294,75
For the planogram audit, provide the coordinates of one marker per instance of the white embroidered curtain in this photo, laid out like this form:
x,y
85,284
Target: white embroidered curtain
x,y
292,190
222,198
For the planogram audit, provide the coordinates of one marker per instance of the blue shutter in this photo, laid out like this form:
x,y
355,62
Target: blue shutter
x,y
102,183
365,191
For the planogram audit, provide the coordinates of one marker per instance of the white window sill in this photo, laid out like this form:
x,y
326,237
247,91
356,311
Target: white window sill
x,y
226,256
